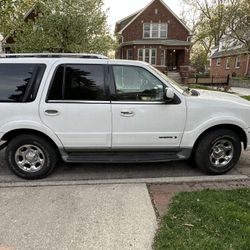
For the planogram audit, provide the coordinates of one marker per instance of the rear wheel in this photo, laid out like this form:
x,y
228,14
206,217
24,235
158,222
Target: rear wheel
x,y
218,151
31,156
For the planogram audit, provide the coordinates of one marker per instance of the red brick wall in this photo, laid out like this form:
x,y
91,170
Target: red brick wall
x,y
175,30
221,71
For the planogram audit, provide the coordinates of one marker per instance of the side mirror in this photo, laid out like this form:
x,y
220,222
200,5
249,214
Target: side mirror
x,y
169,93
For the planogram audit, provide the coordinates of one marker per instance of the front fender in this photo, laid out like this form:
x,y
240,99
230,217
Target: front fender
x,y
191,135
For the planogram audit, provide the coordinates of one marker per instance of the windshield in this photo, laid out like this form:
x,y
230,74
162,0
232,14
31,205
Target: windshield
x,y
176,85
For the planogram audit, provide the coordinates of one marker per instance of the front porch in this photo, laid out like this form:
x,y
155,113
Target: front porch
x,y
165,58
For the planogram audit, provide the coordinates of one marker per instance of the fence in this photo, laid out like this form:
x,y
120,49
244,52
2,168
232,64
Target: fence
x,y
209,81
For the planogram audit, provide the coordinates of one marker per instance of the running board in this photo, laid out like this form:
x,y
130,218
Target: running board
x,y
127,157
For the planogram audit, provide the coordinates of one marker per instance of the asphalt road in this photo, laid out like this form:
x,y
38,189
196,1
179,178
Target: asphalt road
x,y
79,172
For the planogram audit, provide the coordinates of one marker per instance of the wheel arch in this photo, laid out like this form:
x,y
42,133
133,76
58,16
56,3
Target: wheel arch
x,y
237,129
15,132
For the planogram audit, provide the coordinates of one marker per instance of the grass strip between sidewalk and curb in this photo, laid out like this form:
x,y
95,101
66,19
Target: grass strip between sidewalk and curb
x,y
207,219
247,97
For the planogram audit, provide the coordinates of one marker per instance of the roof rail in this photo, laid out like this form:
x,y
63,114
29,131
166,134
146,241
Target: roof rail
x,y
54,55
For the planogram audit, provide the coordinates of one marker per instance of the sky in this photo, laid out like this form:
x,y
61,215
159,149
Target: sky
x,y
118,9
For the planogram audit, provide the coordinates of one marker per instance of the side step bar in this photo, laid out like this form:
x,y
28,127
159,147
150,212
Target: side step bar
x,y
127,157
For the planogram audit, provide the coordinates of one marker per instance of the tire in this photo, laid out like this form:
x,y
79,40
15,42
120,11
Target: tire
x,y
30,156
218,151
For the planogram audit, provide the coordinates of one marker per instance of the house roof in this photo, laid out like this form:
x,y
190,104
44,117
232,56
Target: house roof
x,y
170,42
125,22
225,53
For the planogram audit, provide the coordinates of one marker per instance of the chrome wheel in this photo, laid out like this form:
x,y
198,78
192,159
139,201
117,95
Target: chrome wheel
x,y
221,153
29,158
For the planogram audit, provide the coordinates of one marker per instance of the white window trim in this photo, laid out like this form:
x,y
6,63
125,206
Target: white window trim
x,y
236,61
151,31
150,55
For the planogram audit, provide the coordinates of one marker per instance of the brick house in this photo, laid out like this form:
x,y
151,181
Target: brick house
x,y
230,58
155,35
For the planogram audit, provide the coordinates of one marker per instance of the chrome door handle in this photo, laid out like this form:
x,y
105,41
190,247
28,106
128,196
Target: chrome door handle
x,y
127,113
51,112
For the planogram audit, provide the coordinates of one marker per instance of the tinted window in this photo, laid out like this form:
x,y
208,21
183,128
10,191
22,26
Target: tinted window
x,y
57,85
81,82
137,84
14,81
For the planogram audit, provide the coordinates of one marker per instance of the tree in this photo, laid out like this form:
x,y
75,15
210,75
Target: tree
x,y
66,26
12,13
199,58
210,22
239,22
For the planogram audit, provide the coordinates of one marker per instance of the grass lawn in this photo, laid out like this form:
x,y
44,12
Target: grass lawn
x,y
247,97
206,220
197,86
215,88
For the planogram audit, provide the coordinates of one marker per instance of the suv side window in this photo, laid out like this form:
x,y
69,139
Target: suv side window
x,y
80,82
137,84
20,82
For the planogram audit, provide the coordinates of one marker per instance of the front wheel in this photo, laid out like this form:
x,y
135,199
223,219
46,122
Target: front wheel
x,y
218,151
31,156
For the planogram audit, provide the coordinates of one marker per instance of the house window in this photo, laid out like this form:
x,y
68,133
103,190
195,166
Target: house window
x,y
237,62
147,55
155,30
218,62
130,54
228,63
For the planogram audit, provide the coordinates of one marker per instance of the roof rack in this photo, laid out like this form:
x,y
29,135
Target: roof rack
x,y
54,55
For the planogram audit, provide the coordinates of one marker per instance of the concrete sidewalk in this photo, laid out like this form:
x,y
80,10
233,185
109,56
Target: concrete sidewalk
x,y
241,91
77,217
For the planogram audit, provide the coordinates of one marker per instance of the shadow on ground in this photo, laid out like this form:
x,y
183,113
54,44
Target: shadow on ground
x,y
69,172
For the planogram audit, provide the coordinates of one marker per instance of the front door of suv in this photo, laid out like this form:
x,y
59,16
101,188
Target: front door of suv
x,y
75,107
141,117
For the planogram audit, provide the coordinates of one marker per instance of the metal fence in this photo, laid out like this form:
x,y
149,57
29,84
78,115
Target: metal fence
x,y
209,81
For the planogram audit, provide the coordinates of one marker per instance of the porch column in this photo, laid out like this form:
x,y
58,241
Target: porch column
x,y
187,56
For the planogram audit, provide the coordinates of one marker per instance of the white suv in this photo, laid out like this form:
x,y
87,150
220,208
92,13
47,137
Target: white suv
x,y
92,109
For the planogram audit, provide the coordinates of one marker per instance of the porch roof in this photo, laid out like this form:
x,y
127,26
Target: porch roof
x,y
158,42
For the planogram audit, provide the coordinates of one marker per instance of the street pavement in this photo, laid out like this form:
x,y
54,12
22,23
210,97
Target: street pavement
x,y
96,172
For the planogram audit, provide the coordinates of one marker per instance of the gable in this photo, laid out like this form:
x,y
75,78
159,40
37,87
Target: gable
x,y
125,21
149,7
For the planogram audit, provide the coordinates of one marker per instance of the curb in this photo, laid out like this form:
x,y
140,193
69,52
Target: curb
x,y
166,180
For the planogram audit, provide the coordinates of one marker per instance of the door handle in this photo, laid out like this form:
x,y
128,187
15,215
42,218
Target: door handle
x,y
127,113
51,112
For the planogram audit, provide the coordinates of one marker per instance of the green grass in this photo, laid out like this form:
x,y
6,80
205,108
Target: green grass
x,y
216,88
197,86
206,220
247,97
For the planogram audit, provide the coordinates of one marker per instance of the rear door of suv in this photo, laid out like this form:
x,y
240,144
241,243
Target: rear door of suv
x,y
76,107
